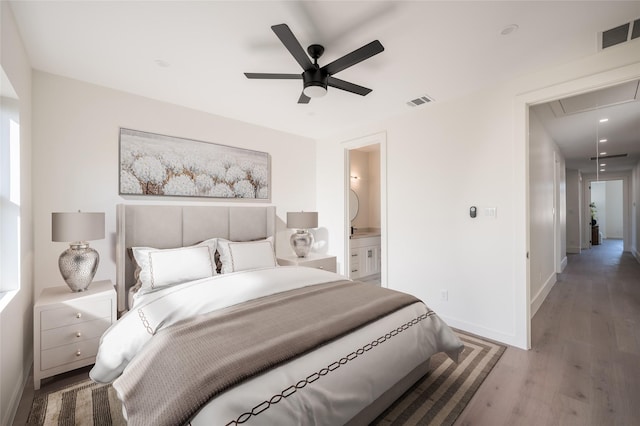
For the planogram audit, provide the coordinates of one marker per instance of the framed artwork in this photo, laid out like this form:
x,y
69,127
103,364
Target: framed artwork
x,y
152,164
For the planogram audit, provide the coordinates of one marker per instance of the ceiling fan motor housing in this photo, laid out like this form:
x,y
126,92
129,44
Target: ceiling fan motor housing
x,y
315,82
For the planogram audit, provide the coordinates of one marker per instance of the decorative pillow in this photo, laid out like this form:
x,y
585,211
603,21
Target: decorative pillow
x,y
156,268
242,256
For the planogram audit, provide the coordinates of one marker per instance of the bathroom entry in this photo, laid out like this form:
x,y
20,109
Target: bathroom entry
x,y
364,174
365,215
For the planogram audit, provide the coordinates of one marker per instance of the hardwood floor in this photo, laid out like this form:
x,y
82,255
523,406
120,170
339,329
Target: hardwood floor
x,y
584,366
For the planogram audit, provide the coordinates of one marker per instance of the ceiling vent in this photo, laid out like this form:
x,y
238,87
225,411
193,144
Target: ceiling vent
x,y
420,101
606,157
620,34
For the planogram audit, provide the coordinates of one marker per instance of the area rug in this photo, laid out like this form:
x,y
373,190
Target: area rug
x,y
441,395
437,399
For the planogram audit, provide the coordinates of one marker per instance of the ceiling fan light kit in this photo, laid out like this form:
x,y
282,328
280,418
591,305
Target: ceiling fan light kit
x,y
316,79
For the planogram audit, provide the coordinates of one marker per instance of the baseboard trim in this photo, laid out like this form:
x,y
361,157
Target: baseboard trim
x,y
574,250
10,415
636,254
539,298
563,263
486,333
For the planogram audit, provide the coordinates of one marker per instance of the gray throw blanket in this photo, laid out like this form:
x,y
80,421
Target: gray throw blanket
x,y
187,364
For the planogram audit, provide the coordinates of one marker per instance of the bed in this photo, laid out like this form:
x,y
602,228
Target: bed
x,y
214,332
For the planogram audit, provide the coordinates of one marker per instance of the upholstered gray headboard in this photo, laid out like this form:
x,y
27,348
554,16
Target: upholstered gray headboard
x,y
177,226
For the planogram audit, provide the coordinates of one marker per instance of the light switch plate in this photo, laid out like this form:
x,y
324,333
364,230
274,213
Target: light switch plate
x,y
491,212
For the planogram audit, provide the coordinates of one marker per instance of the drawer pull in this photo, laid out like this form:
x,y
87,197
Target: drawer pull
x,y
78,353
354,270
354,255
79,315
78,334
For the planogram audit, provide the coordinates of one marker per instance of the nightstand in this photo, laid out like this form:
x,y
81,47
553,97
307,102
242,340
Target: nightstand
x,y
67,327
313,260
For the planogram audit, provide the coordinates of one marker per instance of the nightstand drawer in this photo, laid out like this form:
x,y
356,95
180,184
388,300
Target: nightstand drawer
x,y
69,353
74,333
328,264
75,312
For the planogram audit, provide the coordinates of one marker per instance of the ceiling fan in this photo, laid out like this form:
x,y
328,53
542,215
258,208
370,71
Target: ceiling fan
x,y
315,79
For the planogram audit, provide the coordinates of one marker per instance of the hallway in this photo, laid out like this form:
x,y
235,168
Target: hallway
x,y
584,366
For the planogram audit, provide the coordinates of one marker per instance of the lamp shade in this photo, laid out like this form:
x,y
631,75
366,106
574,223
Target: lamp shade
x,y
302,220
78,226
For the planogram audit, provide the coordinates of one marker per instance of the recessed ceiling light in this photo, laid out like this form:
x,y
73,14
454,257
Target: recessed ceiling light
x,y
604,120
603,164
602,170
602,140
603,153
162,63
509,29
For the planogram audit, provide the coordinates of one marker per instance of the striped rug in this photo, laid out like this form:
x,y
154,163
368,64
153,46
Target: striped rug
x,y
437,399
82,404
440,396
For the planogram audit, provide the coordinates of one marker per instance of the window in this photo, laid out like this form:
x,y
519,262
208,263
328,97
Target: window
x,y
9,190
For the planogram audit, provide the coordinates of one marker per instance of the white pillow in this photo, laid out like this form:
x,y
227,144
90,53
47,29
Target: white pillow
x,y
158,268
242,256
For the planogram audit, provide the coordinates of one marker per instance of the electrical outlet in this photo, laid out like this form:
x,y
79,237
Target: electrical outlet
x,y
444,295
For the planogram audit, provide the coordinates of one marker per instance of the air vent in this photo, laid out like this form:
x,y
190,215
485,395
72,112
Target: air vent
x,y
620,34
605,157
420,101
636,29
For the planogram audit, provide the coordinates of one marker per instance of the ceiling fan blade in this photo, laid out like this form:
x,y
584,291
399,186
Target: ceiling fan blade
x,y
349,87
273,76
304,99
293,45
350,59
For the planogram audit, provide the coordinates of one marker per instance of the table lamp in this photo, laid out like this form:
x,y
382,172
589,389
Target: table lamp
x,y
302,240
79,263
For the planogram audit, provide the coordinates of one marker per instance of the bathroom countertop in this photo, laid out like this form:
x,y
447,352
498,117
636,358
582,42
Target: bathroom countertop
x,y
365,234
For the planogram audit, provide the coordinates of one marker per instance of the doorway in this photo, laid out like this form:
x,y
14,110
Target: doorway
x,y
607,211
365,208
532,294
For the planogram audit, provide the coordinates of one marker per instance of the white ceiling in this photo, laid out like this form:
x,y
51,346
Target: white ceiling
x,y
578,133
195,53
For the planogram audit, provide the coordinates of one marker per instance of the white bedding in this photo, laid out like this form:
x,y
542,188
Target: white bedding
x,y
333,399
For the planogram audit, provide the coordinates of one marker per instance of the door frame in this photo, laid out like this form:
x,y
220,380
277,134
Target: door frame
x,y
522,103
379,138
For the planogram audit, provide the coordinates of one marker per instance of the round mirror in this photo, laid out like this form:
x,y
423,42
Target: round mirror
x,y
354,205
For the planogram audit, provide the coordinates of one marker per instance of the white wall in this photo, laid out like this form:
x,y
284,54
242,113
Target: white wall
x,y
574,217
614,210
443,158
75,142
375,217
545,164
635,212
16,323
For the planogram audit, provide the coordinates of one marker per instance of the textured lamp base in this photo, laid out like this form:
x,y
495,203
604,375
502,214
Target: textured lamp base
x,y
78,265
301,242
